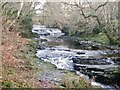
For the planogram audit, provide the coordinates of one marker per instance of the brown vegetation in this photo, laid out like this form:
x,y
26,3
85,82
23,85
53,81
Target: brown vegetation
x,y
17,71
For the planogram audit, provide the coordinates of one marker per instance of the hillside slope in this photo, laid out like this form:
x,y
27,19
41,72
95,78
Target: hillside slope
x,y
17,72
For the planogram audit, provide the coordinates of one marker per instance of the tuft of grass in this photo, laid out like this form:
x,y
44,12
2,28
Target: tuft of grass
x,y
71,80
7,84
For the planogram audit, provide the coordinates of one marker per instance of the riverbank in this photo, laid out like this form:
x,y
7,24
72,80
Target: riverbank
x,y
17,68
57,77
93,37
20,67
89,58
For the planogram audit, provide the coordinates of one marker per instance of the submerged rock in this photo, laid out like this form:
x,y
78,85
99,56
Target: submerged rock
x,y
80,52
93,61
86,57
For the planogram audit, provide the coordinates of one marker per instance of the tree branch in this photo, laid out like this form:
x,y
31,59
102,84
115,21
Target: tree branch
x,y
94,16
101,5
91,15
18,14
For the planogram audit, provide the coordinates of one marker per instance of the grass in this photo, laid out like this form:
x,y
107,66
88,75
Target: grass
x,y
100,38
21,74
71,80
13,78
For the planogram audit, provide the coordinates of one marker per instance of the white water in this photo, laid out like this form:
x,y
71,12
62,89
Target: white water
x,y
61,56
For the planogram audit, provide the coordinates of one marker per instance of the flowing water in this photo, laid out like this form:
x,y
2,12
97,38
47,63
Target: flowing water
x,y
66,53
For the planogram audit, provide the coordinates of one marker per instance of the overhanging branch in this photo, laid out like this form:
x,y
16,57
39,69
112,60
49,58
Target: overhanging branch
x,y
102,5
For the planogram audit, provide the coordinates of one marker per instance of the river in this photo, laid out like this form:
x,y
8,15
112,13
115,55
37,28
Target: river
x,y
99,66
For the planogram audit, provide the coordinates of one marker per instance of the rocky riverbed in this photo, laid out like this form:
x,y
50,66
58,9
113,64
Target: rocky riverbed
x,y
97,62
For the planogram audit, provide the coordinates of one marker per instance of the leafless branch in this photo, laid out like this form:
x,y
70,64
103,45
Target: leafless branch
x,y
18,14
102,5
91,15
